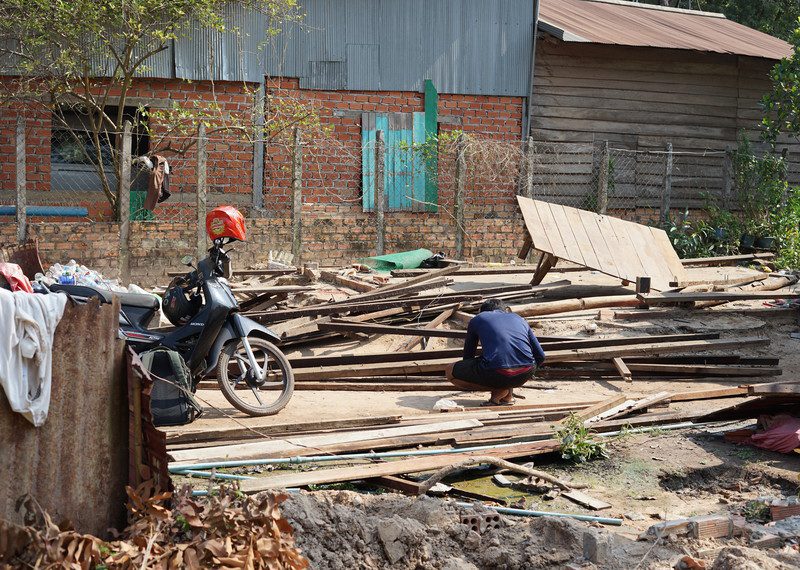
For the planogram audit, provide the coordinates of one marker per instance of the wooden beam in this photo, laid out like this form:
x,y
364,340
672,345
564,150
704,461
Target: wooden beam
x,y
596,353
624,371
338,325
672,298
725,260
354,284
414,465
413,342
775,388
299,445
712,394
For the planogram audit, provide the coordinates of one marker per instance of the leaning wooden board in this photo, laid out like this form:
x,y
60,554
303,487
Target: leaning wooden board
x,y
612,246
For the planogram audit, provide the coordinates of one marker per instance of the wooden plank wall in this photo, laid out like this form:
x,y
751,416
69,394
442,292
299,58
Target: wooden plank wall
x,y
641,99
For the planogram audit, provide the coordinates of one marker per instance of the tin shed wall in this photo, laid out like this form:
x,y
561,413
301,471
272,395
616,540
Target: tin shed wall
x,y
76,464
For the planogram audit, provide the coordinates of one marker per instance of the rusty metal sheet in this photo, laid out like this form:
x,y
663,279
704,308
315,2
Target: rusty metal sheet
x,y
643,25
76,464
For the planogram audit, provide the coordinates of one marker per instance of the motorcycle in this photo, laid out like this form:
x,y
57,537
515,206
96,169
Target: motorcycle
x,y
252,372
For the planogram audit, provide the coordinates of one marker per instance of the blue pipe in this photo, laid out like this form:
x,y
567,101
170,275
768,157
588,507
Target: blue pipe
x,y
527,513
50,211
210,475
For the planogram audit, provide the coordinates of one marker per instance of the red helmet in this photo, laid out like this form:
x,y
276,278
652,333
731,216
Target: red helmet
x,y
225,222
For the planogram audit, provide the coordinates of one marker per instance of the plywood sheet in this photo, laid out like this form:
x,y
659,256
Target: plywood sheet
x,y
610,245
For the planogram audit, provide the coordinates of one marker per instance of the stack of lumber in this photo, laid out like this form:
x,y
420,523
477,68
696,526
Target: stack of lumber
x,y
521,431
421,307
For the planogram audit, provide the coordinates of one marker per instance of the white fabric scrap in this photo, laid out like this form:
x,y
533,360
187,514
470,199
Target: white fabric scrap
x,y
26,350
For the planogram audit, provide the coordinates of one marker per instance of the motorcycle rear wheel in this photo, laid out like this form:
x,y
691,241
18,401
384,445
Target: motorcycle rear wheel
x,y
236,386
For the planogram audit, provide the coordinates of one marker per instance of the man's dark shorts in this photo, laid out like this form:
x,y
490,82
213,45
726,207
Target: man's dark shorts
x,y
475,371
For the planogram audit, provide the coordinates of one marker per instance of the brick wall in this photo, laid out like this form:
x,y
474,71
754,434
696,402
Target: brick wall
x,y
336,230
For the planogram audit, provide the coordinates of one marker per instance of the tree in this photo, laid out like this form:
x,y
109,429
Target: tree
x,y
775,17
84,55
782,103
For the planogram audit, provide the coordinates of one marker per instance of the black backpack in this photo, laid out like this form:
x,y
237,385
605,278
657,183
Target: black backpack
x,y
171,401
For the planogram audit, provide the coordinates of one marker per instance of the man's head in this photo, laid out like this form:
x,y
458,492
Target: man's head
x,y
494,305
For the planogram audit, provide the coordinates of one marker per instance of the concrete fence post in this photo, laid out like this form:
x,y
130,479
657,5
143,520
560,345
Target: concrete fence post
x,y
124,205
602,183
297,197
529,168
22,199
202,189
380,193
667,195
458,203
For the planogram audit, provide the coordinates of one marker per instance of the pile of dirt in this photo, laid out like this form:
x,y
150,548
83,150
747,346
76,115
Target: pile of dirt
x,y
342,530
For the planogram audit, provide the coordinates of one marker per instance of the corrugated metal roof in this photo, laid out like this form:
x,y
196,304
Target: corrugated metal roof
x,y
643,25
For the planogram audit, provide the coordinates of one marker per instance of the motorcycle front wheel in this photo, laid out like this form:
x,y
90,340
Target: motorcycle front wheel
x,y
240,381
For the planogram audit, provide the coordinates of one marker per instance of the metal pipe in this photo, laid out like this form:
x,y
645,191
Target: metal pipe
x,y
322,458
527,513
212,475
526,119
50,211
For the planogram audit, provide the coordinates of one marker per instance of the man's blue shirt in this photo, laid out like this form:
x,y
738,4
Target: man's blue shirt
x,y
507,340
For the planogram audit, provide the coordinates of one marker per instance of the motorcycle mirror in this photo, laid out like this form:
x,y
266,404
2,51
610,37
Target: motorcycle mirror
x,y
187,260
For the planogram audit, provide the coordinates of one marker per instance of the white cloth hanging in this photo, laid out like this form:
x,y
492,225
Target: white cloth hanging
x,y
26,350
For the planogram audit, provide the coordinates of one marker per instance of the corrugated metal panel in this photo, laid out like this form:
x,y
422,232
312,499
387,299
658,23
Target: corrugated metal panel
x,y
205,53
363,67
76,464
632,24
325,75
464,46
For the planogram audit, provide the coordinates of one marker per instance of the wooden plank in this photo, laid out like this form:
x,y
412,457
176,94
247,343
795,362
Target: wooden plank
x,y
541,234
706,370
775,388
599,246
673,298
549,228
574,252
712,394
595,353
585,245
405,285
624,371
633,267
414,465
725,259
341,280
413,342
599,408
585,500
372,328
179,434
304,444
644,403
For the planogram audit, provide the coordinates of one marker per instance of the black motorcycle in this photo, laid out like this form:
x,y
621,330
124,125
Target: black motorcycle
x,y
210,334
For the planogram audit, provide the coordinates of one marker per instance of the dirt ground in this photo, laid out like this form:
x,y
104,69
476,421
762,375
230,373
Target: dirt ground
x,y
648,478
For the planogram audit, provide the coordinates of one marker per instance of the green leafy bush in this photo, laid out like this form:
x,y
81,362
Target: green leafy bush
x,y
577,441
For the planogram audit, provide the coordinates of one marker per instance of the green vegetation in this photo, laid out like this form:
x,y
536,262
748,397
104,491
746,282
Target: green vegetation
x,y
756,511
80,58
578,443
775,17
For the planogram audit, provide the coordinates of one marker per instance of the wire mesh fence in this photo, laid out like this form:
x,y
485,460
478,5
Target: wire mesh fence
x,y
69,177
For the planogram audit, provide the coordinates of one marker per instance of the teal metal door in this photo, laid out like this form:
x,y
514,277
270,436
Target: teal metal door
x,y
404,167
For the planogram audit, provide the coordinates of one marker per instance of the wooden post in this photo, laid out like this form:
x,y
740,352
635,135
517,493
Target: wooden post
x,y
258,150
529,169
602,185
22,200
727,178
202,163
458,207
297,197
665,198
124,203
380,193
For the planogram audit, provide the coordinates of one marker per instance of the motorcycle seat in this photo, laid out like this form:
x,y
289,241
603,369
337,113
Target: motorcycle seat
x,y
142,301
